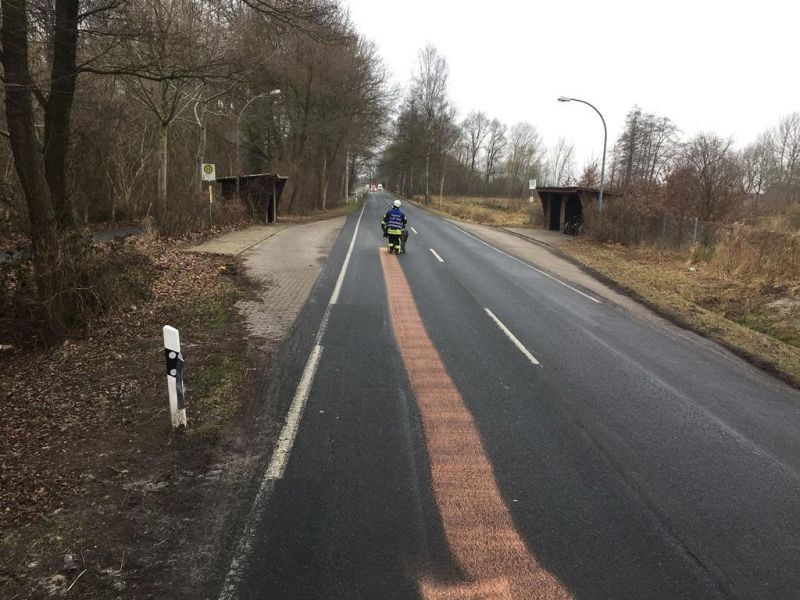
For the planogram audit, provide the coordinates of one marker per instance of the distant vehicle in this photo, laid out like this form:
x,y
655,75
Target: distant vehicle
x,y
380,187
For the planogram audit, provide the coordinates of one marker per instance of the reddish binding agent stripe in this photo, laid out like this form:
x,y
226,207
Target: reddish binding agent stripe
x,y
477,524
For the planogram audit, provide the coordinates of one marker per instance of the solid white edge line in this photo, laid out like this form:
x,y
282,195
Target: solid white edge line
x,y
439,258
340,280
513,338
414,230
283,447
277,465
522,262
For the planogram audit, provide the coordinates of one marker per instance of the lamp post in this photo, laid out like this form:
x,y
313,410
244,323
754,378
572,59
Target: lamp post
x,y
605,141
238,130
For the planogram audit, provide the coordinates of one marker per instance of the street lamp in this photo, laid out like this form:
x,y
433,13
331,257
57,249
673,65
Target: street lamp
x,y
238,131
605,141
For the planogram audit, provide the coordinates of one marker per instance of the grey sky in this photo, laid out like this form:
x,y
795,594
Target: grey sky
x,y
730,67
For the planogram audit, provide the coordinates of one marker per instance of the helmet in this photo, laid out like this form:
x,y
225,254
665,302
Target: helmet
x,y
397,203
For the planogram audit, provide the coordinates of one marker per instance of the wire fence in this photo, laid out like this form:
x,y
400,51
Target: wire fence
x,y
674,232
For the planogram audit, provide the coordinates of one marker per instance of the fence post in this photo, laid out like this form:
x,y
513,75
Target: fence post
x,y
172,353
694,238
664,228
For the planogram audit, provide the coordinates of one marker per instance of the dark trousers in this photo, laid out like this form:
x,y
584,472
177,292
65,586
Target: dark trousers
x,y
394,242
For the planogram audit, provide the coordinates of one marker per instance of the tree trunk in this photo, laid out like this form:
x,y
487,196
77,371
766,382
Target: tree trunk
x,y
323,181
44,228
201,149
441,181
58,110
427,175
163,166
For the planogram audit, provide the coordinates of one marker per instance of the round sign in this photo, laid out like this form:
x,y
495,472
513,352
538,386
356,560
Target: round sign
x,y
208,169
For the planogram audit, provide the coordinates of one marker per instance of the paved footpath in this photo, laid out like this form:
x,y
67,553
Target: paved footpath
x,y
285,261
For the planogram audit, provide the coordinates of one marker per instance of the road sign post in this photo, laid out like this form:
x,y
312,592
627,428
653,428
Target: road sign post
x,y
209,174
532,189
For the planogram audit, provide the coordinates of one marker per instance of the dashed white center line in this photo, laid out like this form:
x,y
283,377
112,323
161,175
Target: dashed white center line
x,y
513,338
414,230
439,258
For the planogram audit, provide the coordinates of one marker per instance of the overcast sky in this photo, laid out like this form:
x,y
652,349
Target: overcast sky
x,y
730,67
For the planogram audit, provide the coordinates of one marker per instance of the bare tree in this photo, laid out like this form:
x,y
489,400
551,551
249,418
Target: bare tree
x,y
524,157
495,147
644,151
475,128
755,165
590,177
561,161
42,170
784,146
436,114
450,138
707,180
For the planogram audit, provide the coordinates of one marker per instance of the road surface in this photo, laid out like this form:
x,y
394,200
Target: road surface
x,y
467,426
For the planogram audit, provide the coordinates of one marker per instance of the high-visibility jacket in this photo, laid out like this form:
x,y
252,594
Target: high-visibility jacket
x,y
394,220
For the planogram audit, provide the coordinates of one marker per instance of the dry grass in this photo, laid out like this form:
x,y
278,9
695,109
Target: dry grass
x,y
510,212
757,318
749,254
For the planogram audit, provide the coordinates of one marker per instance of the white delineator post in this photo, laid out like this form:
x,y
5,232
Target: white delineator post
x,y
172,352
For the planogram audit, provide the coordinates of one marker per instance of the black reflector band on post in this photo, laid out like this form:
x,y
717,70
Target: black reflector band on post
x,y
175,366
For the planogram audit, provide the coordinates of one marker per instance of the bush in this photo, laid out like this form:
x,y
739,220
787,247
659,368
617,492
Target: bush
x,y
756,254
80,281
191,212
627,220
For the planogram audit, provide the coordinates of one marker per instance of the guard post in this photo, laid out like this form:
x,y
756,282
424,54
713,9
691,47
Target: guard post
x,y
174,359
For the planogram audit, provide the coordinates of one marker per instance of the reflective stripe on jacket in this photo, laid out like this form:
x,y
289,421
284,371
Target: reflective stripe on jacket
x,y
394,220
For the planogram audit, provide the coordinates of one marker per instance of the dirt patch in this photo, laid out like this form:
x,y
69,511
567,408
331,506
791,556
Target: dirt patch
x,y
97,495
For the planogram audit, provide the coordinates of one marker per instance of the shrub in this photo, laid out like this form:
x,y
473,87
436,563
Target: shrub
x,y
756,254
84,280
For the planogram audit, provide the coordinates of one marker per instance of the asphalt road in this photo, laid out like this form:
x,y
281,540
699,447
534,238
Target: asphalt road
x,y
436,459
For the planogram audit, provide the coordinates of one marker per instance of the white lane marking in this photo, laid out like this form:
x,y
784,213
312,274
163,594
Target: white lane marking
x,y
277,465
338,287
283,447
414,230
439,258
522,262
513,338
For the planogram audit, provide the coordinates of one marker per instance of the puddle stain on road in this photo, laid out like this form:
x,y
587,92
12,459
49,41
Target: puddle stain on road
x,y
477,524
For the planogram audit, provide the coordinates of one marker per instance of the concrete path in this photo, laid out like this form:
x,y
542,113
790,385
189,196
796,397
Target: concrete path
x,y
284,260
236,242
286,264
551,239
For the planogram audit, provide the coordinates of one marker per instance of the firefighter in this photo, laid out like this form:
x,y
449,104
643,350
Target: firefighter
x,y
393,223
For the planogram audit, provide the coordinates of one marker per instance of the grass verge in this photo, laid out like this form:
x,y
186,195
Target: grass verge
x,y
757,320
507,212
